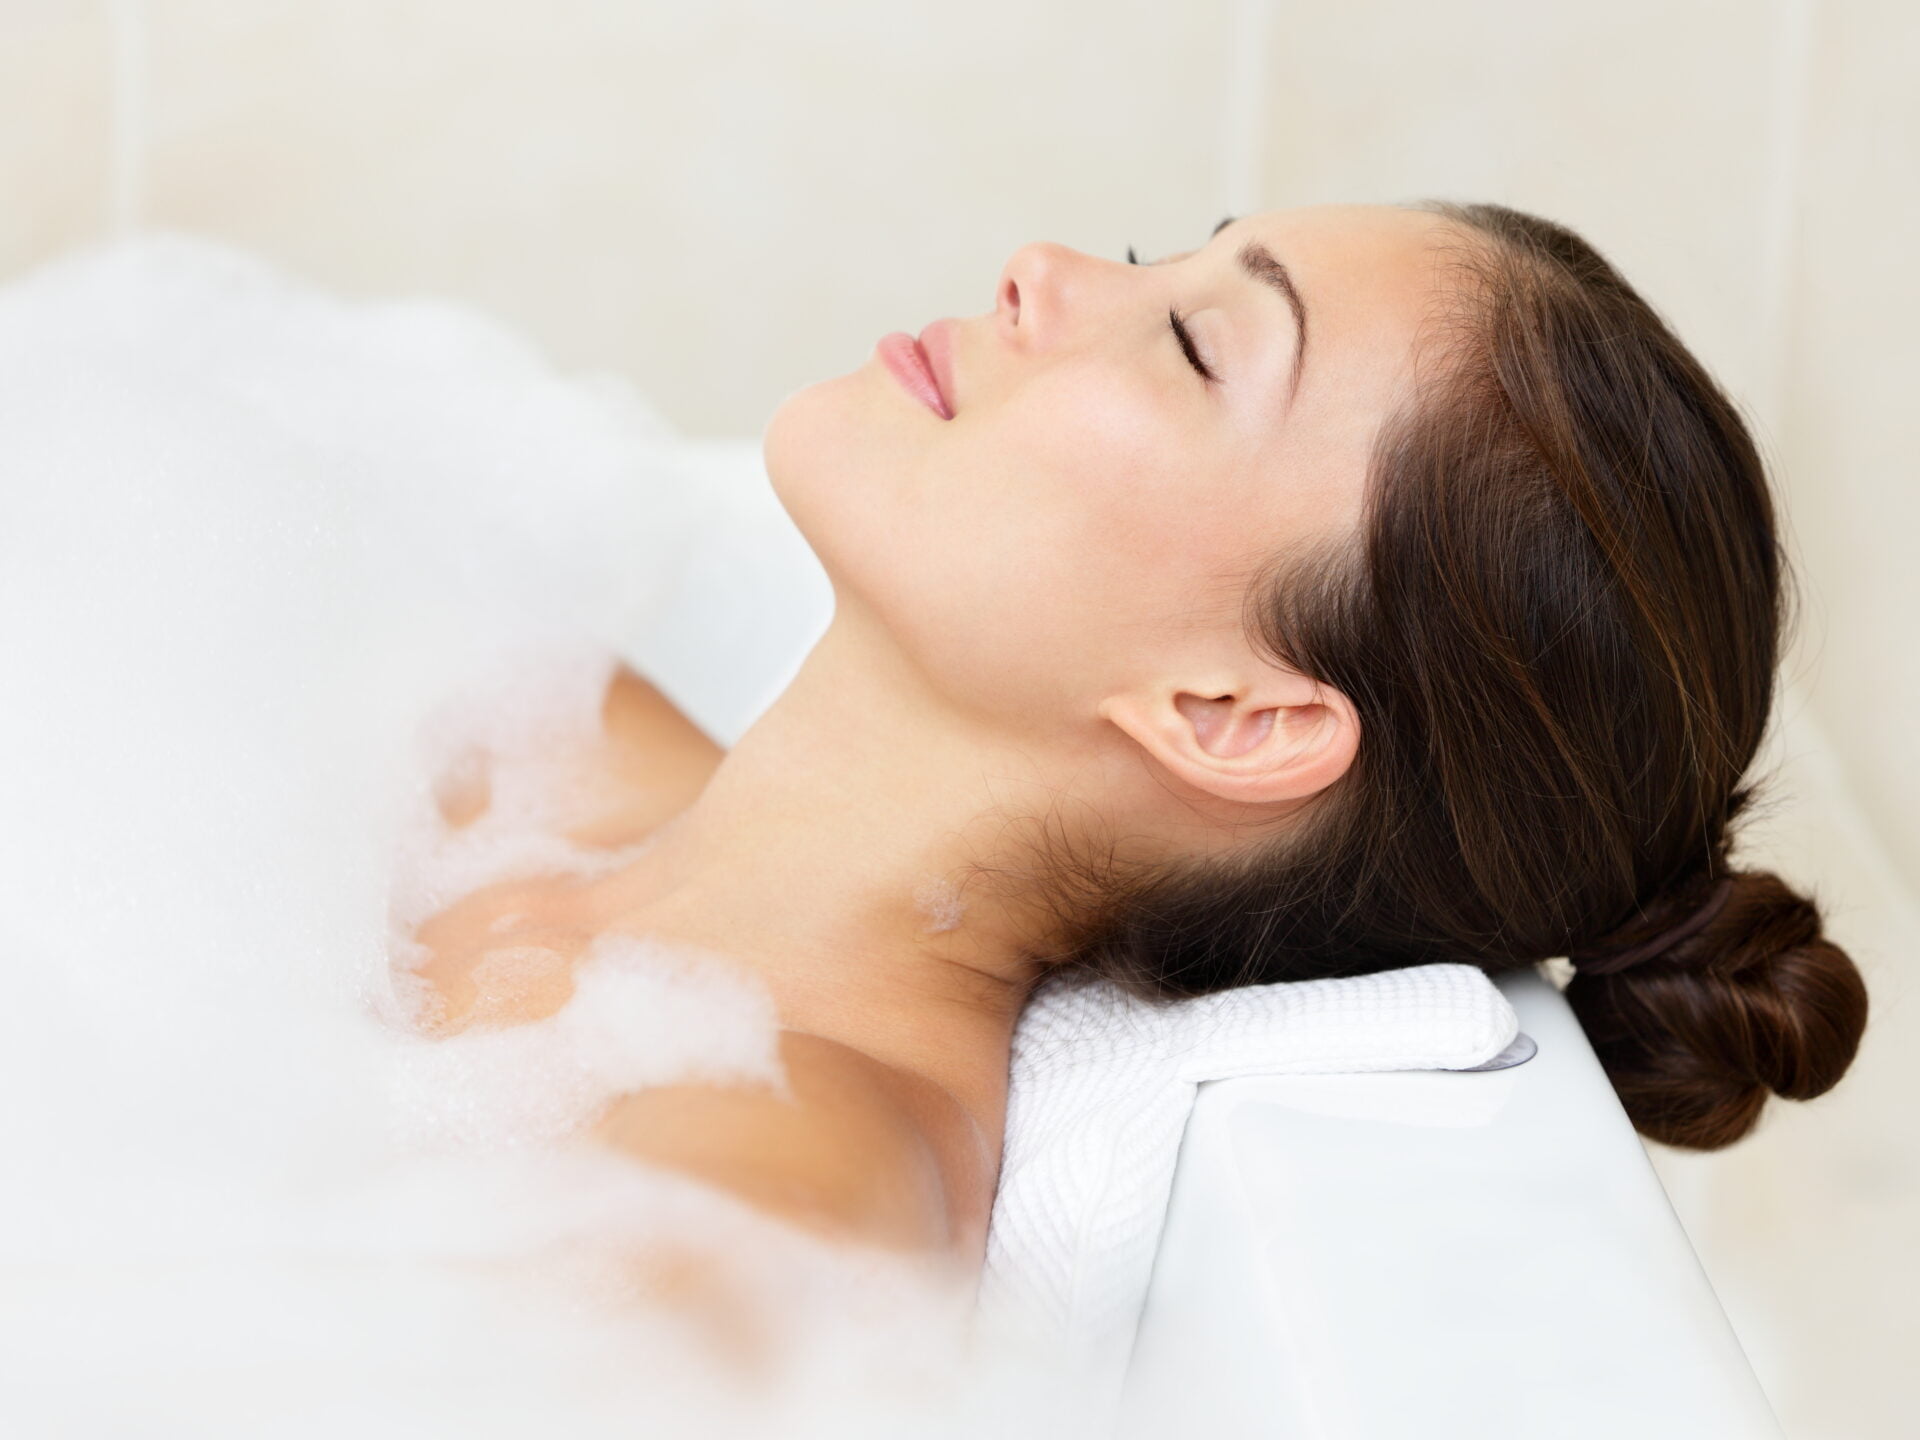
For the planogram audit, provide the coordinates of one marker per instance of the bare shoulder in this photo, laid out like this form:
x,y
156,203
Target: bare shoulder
x,y
851,1151
848,1153
651,741
638,714
654,761
650,762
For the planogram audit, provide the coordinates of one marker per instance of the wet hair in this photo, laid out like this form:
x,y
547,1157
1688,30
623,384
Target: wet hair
x,y
1559,622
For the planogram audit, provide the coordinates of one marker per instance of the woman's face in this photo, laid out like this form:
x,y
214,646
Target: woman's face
x,y
1091,513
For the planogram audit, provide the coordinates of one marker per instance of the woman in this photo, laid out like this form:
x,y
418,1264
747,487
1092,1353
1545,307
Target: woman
x,y
1367,587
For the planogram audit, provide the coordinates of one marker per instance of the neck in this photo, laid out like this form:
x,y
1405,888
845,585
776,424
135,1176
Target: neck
x,y
853,847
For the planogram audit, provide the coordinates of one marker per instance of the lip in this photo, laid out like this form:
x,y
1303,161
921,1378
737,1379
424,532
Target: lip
x,y
936,343
914,367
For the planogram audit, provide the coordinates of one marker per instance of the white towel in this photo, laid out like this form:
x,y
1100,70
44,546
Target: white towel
x,y
1101,1086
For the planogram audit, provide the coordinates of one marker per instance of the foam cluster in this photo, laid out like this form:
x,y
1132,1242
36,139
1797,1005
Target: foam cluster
x,y
272,565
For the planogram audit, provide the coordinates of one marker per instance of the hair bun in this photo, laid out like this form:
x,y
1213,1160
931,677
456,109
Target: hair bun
x,y
1756,1001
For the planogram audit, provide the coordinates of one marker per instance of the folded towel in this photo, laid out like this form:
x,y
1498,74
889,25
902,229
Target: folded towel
x,y
1100,1089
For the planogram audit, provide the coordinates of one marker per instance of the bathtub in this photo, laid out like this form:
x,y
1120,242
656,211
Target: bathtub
x,y
1435,1254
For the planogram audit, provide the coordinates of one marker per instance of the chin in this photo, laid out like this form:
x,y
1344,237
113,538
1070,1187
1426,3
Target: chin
x,y
815,434
814,448
839,452
784,442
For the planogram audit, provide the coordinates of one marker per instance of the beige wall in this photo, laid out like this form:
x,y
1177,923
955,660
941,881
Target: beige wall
x,y
726,200
1850,415
723,200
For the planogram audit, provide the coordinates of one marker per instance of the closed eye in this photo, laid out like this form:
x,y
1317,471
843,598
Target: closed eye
x,y
1182,335
1186,344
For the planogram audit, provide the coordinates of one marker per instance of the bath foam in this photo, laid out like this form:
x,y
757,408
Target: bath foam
x,y
252,540
938,899
522,727
640,1015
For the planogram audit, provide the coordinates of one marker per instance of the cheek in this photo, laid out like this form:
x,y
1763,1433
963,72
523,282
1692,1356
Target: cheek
x,y
1045,541
1130,508
1084,472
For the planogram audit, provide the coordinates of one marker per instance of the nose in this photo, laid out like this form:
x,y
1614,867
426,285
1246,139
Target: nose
x,y
1038,284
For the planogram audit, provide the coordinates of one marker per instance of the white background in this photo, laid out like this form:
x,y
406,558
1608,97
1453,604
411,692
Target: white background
x,y
729,199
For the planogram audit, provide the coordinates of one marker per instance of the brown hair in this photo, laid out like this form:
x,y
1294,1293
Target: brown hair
x,y
1559,623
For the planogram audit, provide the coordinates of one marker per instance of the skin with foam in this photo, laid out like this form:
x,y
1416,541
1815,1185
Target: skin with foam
x,y
1037,625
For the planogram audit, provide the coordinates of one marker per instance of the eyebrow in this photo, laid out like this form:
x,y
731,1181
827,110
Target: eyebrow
x,y
1262,265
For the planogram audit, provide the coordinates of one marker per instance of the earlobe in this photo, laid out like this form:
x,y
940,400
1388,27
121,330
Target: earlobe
x,y
1251,747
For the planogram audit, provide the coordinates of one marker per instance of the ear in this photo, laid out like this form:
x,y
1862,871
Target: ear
x,y
1272,735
